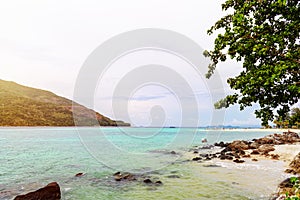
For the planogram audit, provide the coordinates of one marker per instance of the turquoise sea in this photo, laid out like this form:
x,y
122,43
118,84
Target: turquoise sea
x,y
33,157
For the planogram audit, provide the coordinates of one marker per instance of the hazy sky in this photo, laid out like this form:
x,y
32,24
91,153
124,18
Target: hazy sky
x,y
45,43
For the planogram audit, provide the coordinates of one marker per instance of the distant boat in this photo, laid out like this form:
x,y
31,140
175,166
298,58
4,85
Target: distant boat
x,y
172,127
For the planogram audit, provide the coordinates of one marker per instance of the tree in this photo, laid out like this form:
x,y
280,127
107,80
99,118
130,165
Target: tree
x,y
262,35
295,117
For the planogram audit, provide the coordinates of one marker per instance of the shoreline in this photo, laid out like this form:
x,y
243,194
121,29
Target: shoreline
x,y
268,167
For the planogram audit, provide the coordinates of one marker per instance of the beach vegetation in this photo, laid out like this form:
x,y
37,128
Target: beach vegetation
x,y
294,194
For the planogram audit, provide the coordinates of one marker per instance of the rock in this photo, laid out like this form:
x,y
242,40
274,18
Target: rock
x,y
229,158
295,164
117,173
196,152
255,152
221,144
246,156
158,183
211,165
49,192
290,171
254,159
241,152
226,149
274,156
229,154
118,176
203,155
204,140
207,147
173,176
266,140
238,145
286,184
266,148
173,152
79,174
285,187
129,177
196,159
238,161
254,145
222,157
148,181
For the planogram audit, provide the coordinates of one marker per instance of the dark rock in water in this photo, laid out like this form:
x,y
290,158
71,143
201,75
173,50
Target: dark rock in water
x,y
222,157
229,158
173,176
238,161
79,174
196,159
229,154
254,159
158,183
196,152
173,152
49,192
148,181
203,155
211,165
221,144
117,173
129,177
207,147
226,149
118,176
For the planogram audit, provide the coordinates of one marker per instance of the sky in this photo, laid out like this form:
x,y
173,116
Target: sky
x,y
44,44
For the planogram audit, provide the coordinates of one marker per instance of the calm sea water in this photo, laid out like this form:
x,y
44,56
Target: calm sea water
x,y
33,157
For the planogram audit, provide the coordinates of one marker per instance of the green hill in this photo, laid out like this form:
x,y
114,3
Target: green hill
x,y
25,106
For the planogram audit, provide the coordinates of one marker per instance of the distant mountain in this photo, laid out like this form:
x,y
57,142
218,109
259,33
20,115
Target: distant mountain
x,y
230,127
25,106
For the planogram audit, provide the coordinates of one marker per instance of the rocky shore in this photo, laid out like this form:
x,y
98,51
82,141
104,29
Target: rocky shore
x,y
285,147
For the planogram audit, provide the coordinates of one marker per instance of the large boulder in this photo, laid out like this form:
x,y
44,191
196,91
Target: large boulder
x,y
238,145
266,148
49,192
